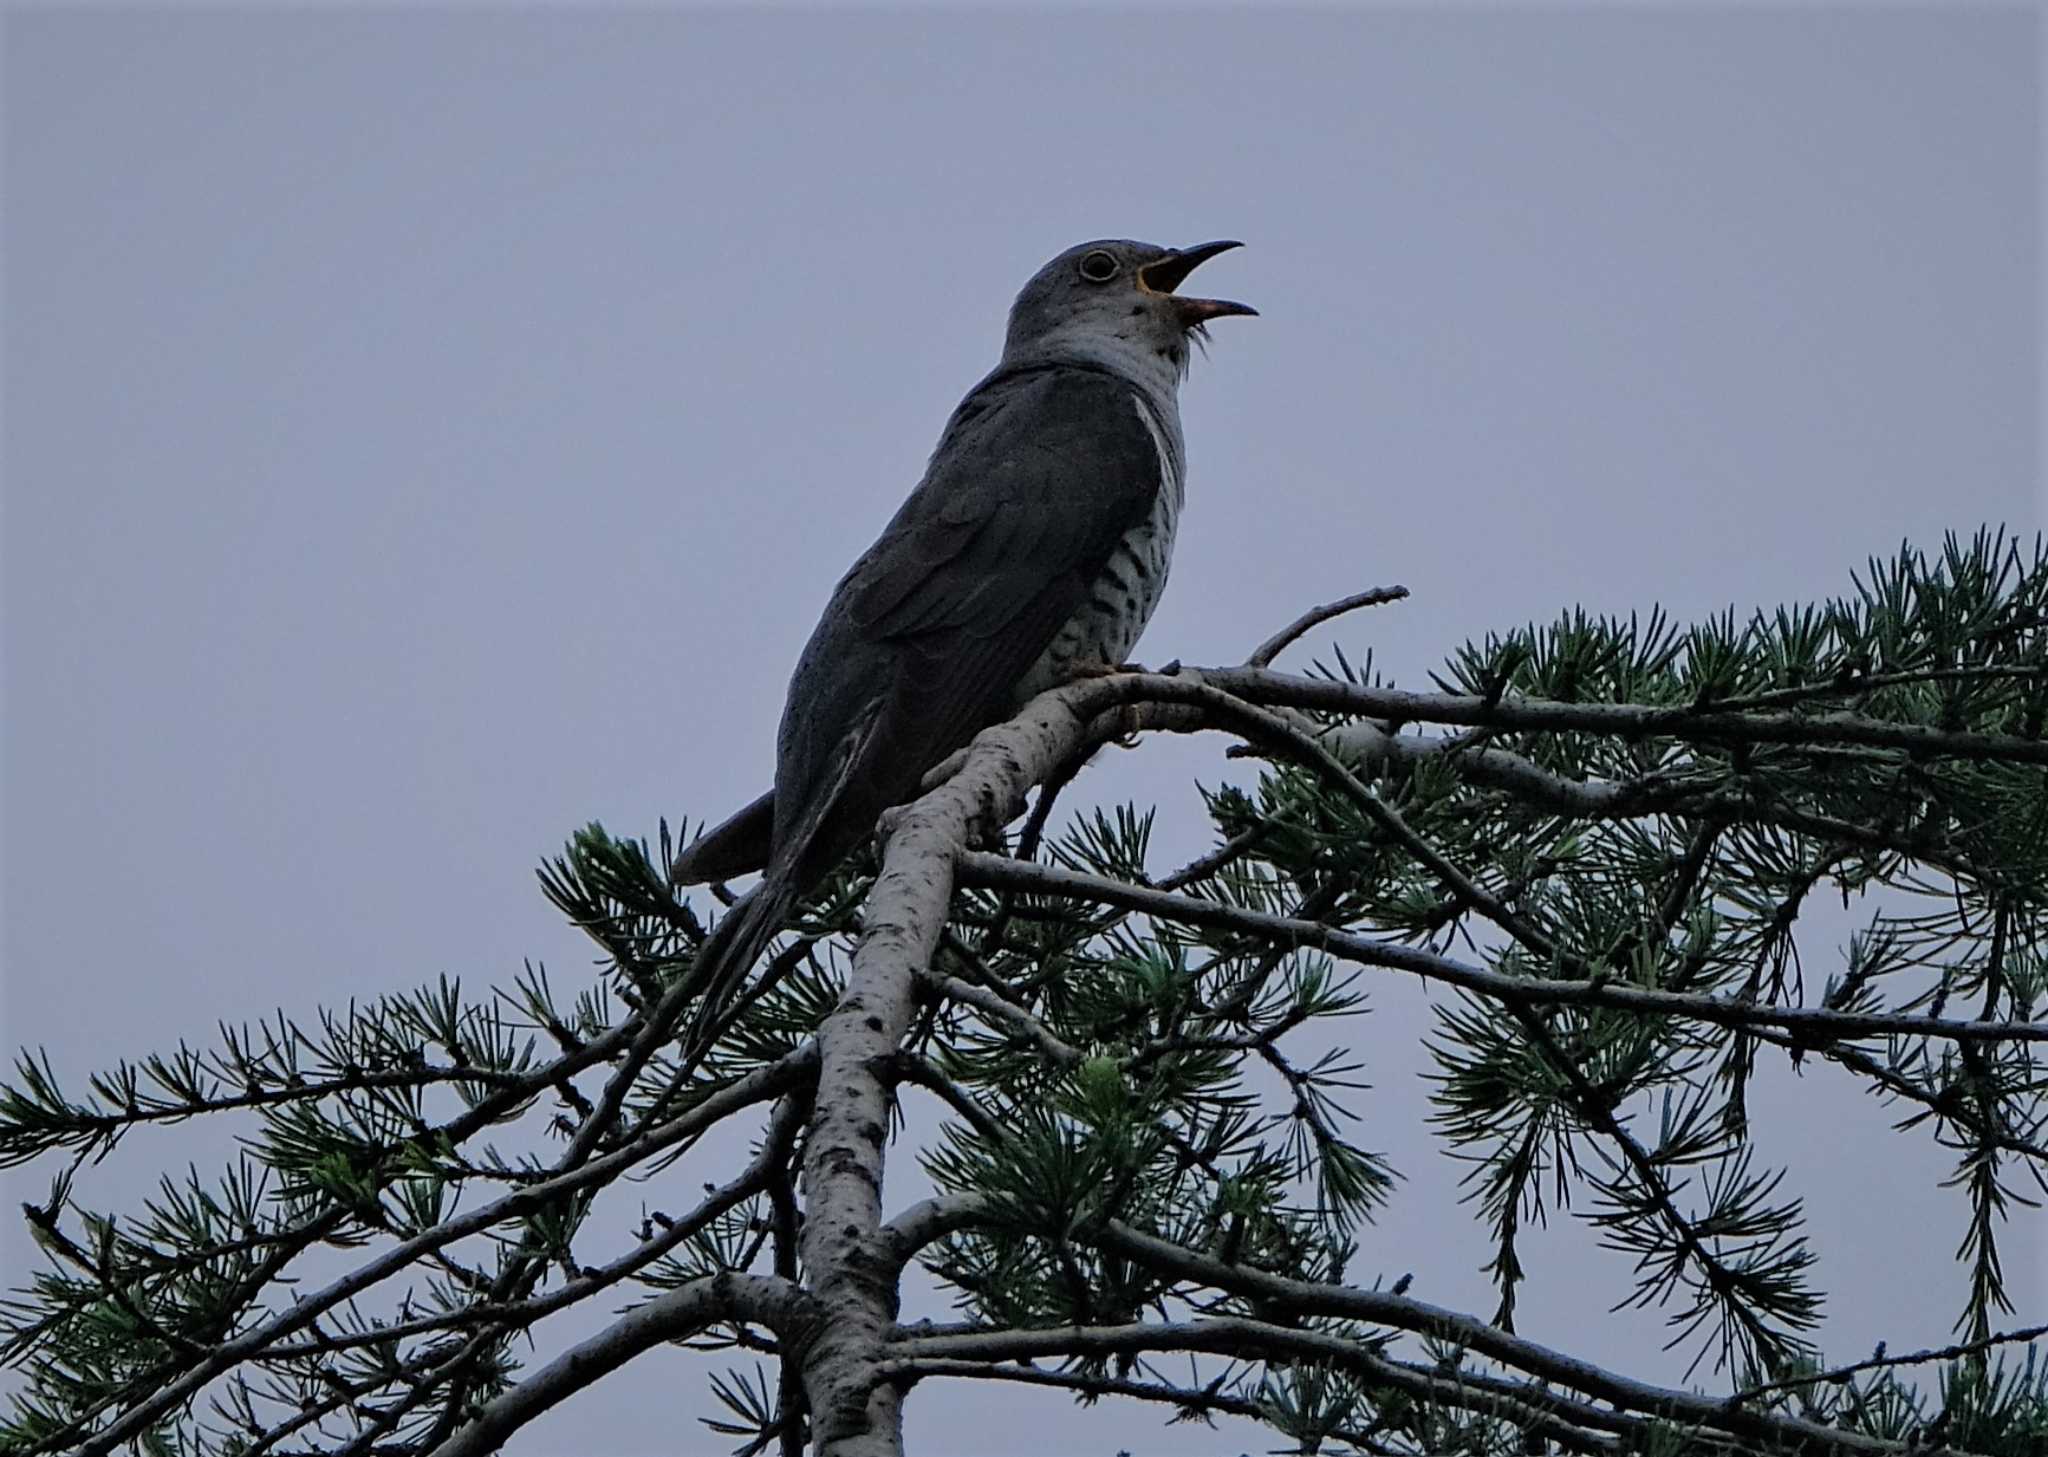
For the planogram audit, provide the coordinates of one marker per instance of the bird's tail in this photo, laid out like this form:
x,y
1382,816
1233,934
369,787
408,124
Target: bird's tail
x,y
731,950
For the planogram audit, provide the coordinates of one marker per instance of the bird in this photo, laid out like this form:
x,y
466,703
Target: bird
x,y
1033,551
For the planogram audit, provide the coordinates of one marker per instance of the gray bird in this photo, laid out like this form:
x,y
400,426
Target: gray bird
x,y
1033,551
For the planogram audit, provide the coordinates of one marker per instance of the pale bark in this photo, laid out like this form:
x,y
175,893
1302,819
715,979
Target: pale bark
x,y
1708,724
849,1258
759,1299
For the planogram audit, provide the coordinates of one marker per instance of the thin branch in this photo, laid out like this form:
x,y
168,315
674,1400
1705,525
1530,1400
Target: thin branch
x,y
1620,720
1532,1408
761,1299
1665,792
1200,1399
1204,866
758,1086
923,1073
929,1220
1263,655
92,1127
755,1178
1006,1012
1883,1362
1892,1082
1303,1298
1814,1026
1871,682
1274,732
1497,768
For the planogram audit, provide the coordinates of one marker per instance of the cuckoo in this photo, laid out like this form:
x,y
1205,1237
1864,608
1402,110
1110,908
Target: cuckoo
x,y
1032,552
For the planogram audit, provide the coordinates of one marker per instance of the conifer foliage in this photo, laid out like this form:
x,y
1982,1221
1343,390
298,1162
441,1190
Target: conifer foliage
x,y
1596,842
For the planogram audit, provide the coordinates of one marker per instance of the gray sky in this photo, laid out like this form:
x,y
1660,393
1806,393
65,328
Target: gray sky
x,y
427,431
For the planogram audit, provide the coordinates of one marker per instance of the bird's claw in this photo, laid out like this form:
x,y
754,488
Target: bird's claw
x,y
1107,670
886,824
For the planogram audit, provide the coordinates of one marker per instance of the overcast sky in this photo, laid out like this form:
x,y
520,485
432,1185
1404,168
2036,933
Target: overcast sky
x,y
426,431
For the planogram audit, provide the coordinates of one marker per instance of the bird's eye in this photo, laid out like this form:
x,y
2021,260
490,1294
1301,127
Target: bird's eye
x,y
1099,266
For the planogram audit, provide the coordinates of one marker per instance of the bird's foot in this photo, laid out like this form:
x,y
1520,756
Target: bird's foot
x,y
886,824
1105,670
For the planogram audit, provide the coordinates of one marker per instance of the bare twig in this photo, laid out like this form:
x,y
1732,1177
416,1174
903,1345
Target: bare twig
x,y
929,1220
1007,1012
1263,655
1884,1362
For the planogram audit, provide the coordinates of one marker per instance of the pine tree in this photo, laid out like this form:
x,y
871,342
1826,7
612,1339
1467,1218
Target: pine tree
x,y
1594,841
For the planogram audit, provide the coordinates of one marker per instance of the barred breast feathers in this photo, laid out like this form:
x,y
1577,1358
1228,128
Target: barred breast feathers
x,y
1106,627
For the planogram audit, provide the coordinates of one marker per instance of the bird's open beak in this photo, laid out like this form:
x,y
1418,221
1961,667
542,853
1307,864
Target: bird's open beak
x,y
1167,274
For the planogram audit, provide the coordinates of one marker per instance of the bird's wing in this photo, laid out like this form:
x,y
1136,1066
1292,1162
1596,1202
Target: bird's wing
x,y
1039,476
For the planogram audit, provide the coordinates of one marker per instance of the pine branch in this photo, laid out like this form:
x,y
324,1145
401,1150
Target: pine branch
x,y
1881,1361
176,1388
1628,721
1607,852
1813,1027
1462,1332
1529,1406
763,1300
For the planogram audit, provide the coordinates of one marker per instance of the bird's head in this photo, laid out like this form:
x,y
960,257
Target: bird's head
x,y
1113,302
